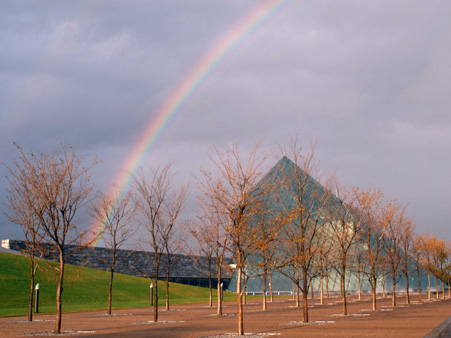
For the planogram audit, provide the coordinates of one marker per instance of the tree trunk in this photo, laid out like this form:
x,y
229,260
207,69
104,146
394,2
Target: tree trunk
x,y
327,283
240,303
298,296
167,292
407,289
437,290
449,288
30,304
264,287
168,273
59,292
443,289
271,296
305,306
383,287
155,291
322,289
110,288
210,291
219,312
311,287
373,291
429,285
343,293
419,284
110,291
304,296
360,285
296,288
394,288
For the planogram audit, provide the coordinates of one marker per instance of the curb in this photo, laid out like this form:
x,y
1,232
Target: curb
x,y
439,329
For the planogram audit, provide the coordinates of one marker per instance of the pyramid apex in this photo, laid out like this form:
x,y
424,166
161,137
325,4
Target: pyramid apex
x,y
285,158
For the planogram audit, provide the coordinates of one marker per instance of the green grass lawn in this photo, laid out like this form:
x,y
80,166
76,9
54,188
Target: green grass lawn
x,y
85,289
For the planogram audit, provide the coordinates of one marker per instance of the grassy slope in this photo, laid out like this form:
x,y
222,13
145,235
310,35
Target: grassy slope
x,y
86,289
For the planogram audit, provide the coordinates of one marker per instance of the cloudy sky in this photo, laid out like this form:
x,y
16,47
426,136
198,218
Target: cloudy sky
x,y
366,79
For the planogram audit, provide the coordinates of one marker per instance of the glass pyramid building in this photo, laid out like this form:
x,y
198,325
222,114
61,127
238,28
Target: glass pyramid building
x,y
282,176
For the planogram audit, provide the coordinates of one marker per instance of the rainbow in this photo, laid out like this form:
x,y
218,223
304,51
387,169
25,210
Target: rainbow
x,y
172,106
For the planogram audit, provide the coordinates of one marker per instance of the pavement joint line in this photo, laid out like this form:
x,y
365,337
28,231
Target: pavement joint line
x,y
33,321
318,322
111,315
151,322
63,333
249,335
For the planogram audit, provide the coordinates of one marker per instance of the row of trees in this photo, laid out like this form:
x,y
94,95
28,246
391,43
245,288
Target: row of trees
x,y
46,192
288,222
285,221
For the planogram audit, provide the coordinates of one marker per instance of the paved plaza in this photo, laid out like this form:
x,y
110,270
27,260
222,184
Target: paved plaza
x,y
282,319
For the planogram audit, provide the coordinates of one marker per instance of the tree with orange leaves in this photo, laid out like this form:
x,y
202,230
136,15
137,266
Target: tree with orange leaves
x,y
368,203
407,233
344,225
232,192
428,245
417,254
395,223
306,219
440,253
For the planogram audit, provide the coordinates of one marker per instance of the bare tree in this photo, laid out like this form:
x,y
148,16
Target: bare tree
x,y
343,226
440,254
407,234
21,209
160,206
203,254
213,239
306,219
326,254
56,185
172,247
383,272
448,267
417,254
368,202
394,224
115,212
427,241
232,190
219,237
358,263
268,226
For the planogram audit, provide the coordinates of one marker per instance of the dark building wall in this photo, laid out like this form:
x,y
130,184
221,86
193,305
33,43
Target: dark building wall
x,y
184,270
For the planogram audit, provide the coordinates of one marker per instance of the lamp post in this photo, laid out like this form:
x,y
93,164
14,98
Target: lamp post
x,y
151,294
36,300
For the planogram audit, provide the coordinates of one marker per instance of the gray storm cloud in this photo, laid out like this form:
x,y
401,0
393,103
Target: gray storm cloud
x,y
367,80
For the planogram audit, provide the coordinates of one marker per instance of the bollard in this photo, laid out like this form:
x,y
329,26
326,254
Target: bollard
x,y
36,300
151,294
